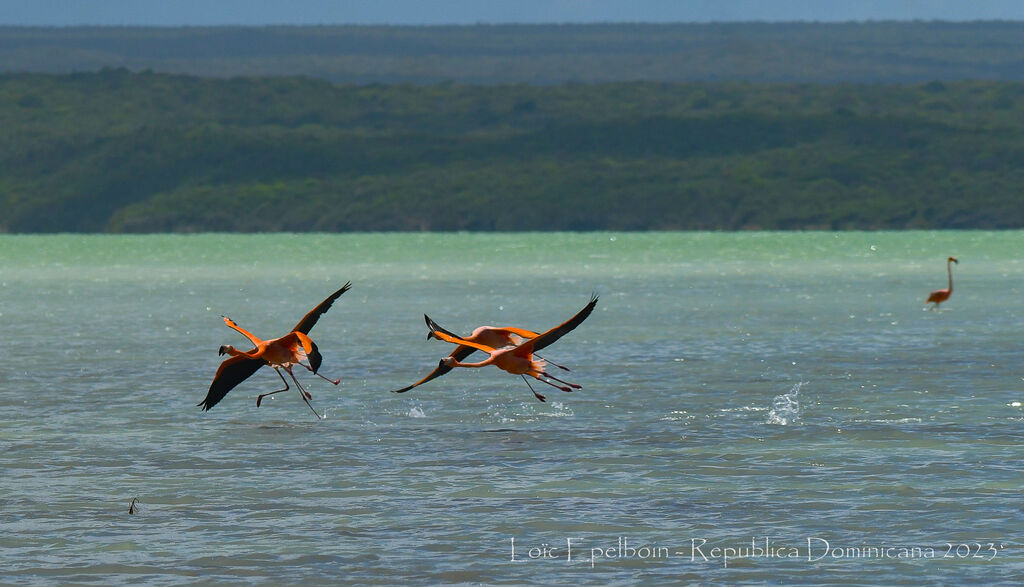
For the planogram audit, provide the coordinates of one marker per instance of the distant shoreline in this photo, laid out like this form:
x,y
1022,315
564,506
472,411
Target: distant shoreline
x,y
544,54
738,126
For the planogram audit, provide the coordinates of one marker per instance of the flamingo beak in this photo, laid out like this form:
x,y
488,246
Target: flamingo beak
x,y
222,350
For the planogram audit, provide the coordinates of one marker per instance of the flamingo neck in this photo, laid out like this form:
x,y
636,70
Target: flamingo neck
x,y
949,270
237,353
483,363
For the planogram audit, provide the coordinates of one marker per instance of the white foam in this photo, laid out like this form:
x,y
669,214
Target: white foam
x,y
785,408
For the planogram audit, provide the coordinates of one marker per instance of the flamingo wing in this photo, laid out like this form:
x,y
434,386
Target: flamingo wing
x,y
448,337
310,319
436,328
461,352
231,372
521,332
315,358
548,338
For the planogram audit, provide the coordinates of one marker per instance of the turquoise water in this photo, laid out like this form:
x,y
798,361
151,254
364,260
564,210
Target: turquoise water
x,y
781,389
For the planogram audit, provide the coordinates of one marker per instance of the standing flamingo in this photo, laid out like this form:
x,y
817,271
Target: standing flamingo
x,y
294,348
519,359
489,336
940,295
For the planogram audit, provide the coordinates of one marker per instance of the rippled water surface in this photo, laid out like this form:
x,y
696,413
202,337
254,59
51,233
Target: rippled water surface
x,y
755,408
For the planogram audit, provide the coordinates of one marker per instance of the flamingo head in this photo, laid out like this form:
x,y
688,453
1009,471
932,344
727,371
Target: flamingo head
x,y
448,361
225,349
953,259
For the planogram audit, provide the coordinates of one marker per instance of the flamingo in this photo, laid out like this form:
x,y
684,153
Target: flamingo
x,y
490,336
519,358
940,295
294,348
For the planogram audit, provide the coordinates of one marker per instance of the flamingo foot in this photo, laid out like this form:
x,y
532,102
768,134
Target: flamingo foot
x,y
540,397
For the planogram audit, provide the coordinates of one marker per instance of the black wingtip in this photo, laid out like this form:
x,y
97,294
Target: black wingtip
x,y
430,323
430,329
334,296
435,327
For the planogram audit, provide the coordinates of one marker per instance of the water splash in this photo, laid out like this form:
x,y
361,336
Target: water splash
x,y
785,408
416,412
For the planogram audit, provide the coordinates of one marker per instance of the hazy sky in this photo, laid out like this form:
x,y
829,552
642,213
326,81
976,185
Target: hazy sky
x,y
260,12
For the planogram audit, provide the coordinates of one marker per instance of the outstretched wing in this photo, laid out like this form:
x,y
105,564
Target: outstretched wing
x,y
547,338
447,337
460,353
309,320
231,372
520,332
436,328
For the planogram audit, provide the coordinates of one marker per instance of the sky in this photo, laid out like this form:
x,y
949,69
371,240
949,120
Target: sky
x,y
437,12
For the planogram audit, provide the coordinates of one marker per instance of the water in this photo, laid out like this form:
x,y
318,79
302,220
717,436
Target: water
x,y
786,407
760,394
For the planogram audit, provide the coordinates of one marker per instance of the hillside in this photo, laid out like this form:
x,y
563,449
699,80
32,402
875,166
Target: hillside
x,y
121,151
869,52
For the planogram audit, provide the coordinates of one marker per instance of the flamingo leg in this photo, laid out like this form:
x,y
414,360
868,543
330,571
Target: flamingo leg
x,y
550,362
537,395
303,393
334,381
572,385
259,398
538,378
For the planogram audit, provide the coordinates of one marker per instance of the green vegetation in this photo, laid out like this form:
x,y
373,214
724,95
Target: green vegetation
x,y
122,151
890,52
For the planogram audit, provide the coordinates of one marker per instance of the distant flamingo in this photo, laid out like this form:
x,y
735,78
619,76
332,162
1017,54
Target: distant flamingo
x,y
294,348
940,295
489,336
519,359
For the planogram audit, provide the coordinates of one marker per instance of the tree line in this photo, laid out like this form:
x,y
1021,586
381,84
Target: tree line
x,y
856,52
122,151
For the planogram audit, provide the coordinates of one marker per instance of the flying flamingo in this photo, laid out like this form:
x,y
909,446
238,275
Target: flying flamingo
x,y
490,336
294,348
940,295
519,359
